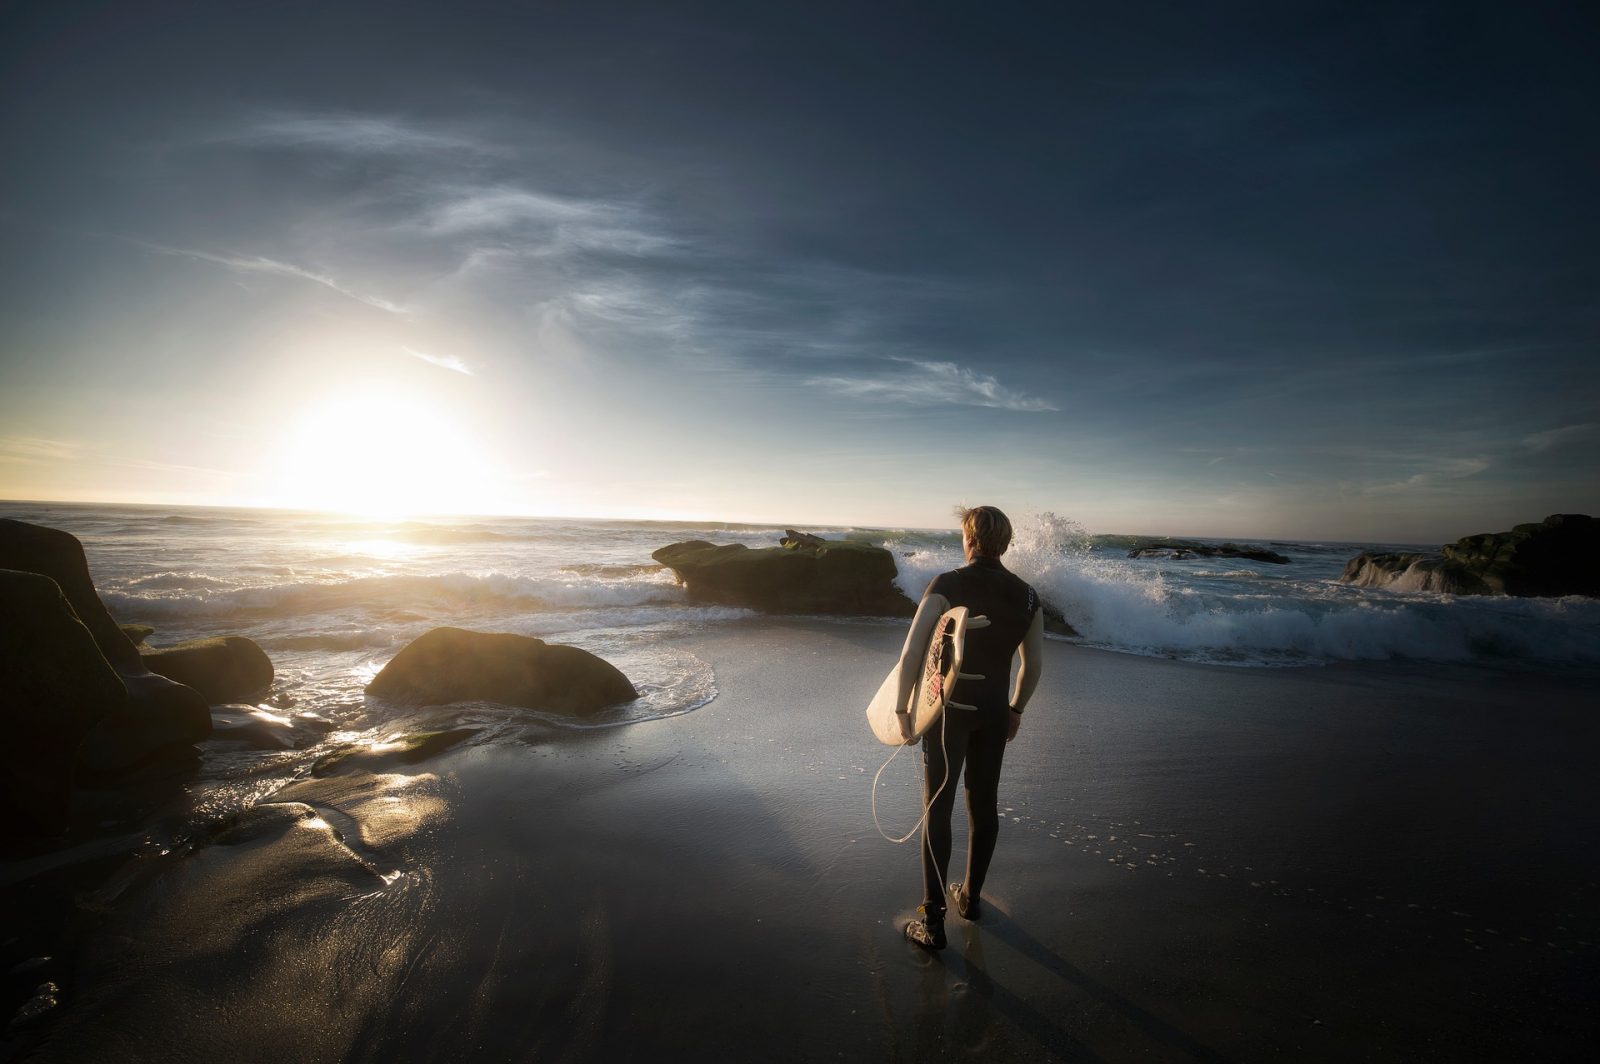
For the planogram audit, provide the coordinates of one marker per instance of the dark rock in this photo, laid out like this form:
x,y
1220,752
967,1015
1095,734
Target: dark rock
x,y
1055,621
55,686
159,717
137,633
382,757
792,539
1181,549
1411,572
264,730
225,669
454,665
837,577
261,821
1557,556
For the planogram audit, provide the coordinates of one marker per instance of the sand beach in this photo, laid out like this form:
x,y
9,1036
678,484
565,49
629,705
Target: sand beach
x,y
1373,861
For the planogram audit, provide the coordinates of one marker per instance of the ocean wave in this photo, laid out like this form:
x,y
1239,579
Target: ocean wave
x,y
447,591
1122,607
174,581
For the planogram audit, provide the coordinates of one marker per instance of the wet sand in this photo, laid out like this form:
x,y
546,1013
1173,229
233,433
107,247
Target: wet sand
x,y
1373,862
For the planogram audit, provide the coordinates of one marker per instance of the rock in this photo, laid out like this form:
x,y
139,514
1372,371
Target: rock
x,y
55,687
792,539
1180,549
837,577
384,756
454,665
1411,572
1056,622
137,633
1557,556
264,730
159,717
225,669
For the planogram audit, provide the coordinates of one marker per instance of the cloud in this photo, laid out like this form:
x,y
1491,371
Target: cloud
x,y
34,450
1551,439
932,384
262,264
355,134
449,362
1449,469
31,449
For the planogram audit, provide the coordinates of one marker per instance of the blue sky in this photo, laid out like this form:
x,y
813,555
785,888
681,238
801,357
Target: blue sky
x,y
1248,270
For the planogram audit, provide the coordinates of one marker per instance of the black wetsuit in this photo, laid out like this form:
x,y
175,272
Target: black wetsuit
x,y
976,739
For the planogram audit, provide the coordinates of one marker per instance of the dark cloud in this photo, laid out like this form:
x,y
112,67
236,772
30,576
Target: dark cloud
x,y
1321,230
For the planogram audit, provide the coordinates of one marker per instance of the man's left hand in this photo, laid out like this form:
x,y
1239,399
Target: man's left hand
x,y
1012,725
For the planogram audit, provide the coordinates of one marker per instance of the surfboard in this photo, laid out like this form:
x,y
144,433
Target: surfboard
x,y
941,666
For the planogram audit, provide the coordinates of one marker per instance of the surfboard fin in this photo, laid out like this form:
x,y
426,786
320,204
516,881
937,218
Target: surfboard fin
x,y
969,675
980,621
961,705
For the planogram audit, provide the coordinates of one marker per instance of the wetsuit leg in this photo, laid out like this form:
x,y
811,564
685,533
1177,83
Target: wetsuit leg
x,y
945,740
985,750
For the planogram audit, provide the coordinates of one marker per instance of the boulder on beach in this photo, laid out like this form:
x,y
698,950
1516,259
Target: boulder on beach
x,y
1181,549
226,669
836,577
55,687
1557,556
455,665
158,716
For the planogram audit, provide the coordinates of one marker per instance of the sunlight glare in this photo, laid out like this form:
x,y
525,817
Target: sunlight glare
x,y
382,453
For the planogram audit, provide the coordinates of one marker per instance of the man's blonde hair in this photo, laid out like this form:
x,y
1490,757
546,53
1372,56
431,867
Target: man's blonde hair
x,y
987,527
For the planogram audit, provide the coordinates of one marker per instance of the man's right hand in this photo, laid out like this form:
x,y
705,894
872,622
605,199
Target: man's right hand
x,y
905,728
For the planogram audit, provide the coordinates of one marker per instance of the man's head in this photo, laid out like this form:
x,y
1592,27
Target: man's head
x,y
985,531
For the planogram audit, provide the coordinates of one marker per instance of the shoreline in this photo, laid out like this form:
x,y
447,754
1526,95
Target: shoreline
x,y
712,882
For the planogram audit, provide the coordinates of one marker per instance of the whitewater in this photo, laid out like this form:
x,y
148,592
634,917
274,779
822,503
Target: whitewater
x,y
331,598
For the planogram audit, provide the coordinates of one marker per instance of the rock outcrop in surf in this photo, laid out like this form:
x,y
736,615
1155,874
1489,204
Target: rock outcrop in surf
x,y
1557,556
55,687
455,665
157,718
226,669
1181,549
825,576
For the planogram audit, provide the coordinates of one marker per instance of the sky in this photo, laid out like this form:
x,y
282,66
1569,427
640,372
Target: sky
x,y
1255,270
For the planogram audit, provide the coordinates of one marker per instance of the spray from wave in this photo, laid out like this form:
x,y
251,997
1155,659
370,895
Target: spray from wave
x,y
1217,615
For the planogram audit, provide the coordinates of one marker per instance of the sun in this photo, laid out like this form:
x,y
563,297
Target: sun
x,y
382,452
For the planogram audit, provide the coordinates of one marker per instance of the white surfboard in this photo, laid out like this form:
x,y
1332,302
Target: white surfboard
x,y
941,668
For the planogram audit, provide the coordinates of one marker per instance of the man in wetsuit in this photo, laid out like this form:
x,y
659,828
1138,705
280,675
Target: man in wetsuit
x,y
973,737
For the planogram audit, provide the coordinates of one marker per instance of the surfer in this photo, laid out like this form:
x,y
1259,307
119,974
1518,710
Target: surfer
x,y
973,734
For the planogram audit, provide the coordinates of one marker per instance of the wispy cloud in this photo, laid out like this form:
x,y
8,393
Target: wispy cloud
x,y
35,450
1444,472
1551,439
264,265
449,362
31,449
931,384
356,134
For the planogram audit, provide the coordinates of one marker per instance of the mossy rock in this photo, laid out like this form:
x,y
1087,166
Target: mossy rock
x,y
225,669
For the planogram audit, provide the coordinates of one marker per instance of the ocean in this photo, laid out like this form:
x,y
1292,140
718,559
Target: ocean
x,y
331,598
